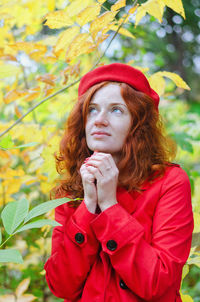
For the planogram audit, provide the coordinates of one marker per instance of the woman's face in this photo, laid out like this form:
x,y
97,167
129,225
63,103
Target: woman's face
x,y
108,121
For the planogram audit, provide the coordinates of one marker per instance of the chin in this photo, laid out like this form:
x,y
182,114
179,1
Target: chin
x,y
102,149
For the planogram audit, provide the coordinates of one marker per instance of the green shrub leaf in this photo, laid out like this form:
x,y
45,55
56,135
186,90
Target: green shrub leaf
x,y
38,224
182,140
45,207
6,142
185,271
0,237
10,255
13,214
26,145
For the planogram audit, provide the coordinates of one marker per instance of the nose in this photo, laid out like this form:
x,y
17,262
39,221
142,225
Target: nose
x,y
101,119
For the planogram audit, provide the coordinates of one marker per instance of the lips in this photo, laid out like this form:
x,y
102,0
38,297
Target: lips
x,y
100,133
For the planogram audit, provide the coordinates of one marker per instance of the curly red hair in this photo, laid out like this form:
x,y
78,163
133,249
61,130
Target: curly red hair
x,y
144,156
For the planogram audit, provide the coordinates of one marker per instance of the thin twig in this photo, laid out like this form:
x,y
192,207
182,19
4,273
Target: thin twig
x,y
66,87
25,79
38,104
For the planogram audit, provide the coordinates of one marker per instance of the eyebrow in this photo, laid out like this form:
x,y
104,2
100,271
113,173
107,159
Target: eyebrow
x,y
93,103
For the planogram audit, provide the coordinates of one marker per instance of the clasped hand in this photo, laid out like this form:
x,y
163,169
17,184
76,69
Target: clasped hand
x,y
99,175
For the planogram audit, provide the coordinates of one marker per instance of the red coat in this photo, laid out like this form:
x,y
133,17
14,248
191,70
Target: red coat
x,y
133,251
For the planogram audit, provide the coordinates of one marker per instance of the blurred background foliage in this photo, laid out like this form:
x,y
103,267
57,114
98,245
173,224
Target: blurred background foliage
x,y
39,66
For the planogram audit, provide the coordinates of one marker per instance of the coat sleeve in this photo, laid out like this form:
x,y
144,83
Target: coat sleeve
x,y
74,249
150,269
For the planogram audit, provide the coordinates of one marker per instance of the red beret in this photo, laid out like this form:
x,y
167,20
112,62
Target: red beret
x,y
118,72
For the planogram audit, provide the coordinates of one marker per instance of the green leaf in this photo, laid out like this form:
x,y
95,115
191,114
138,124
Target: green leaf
x,y
26,145
13,214
0,237
45,207
182,141
38,224
185,271
10,255
6,142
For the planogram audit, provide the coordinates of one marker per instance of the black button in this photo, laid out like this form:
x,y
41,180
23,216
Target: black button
x,y
79,237
111,245
122,284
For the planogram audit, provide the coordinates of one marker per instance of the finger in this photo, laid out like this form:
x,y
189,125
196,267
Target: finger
x,y
103,161
95,171
107,157
101,165
85,174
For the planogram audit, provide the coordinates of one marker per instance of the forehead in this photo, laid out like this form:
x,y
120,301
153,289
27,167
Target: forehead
x,y
108,93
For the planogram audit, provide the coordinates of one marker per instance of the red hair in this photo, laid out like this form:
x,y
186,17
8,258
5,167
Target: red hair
x,y
144,156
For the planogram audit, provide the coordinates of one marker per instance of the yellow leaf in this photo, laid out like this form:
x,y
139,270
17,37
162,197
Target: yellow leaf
x,y
72,70
4,154
10,173
123,19
101,22
100,39
107,28
8,57
119,4
37,55
154,8
186,298
66,38
176,79
7,70
49,41
81,44
88,14
47,78
28,47
133,9
49,60
177,6
141,12
22,287
17,112
48,156
48,90
47,186
123,31
101,1
51,5
157,83
13,95
32,94
76,6
58,19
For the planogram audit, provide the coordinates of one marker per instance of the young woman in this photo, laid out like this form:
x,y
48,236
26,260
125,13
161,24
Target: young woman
x,y
131,235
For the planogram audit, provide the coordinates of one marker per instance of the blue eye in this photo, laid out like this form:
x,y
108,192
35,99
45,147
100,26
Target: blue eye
x,y
117,110
91,109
